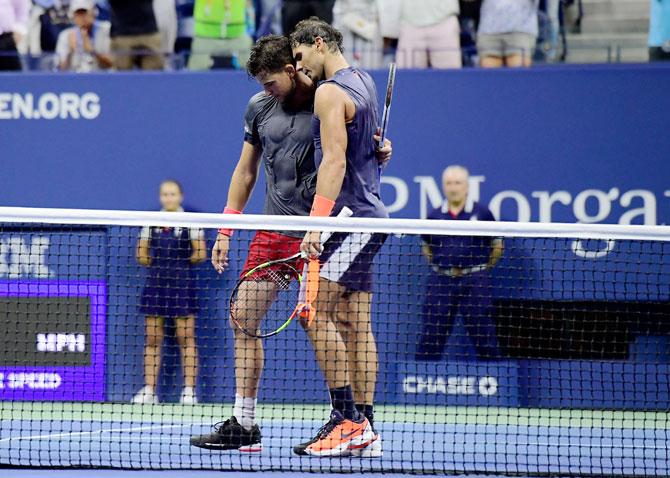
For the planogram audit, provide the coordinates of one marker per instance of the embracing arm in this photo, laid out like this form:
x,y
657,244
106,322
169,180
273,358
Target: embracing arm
x,y
330,108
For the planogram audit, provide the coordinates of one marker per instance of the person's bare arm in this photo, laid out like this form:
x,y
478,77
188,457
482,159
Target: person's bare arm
x,y
104,61
427,252
241,185
244,176
330,107
496,252
330,104
199,253
142,253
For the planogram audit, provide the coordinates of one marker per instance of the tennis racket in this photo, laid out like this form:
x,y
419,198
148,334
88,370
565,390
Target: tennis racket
x,y
268,297
387,104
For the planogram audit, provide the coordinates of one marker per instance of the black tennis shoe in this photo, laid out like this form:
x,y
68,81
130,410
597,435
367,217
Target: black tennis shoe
x,y
230,435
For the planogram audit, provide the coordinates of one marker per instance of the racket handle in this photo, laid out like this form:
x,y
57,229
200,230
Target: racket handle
x,y
344,212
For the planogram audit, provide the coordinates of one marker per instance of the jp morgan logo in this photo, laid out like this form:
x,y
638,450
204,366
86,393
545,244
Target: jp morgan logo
x,y
49,106
451,385
589,206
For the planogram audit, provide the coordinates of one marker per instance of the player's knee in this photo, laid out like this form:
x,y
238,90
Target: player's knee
x,y
183,339
154,339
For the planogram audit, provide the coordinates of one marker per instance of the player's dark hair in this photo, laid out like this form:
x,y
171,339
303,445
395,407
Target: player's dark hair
x,y
172,181
270,54
306,32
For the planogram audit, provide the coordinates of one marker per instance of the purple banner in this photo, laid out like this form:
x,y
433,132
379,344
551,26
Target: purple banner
x,y
54,340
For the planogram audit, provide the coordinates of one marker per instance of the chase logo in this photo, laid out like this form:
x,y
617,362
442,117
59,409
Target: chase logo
x,y
451,385
49,106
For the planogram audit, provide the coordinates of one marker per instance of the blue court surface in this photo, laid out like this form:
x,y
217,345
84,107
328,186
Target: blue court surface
x,y
444,440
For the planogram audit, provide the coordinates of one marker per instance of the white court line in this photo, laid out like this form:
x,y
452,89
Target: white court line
x,y
592,444
99,432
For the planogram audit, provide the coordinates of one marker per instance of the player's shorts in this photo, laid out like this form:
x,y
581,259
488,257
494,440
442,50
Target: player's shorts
x,y
348,257
269,246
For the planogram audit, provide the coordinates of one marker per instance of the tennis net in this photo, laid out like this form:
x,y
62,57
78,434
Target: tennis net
x,y
501,348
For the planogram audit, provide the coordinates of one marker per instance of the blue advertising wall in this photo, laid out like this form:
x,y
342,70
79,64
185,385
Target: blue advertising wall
x,y
583,144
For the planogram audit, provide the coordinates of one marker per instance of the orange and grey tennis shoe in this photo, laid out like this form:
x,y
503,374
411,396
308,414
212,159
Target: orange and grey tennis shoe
x,y
342,436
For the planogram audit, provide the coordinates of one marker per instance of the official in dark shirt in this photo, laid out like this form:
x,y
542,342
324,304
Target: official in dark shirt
x,y
460,282
135,37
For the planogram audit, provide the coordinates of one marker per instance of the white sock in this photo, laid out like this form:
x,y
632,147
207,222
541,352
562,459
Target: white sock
x,y
245,411
188,391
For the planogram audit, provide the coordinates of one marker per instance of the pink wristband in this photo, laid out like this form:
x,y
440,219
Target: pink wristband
x,y
322,206
224,230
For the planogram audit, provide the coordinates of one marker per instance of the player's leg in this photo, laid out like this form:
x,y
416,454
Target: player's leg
x,y
347,429
240,432
355,325
331,353
253,301
185,333
152,359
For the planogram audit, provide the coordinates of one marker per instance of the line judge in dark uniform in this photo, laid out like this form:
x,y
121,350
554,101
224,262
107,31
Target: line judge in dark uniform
x,y
460,282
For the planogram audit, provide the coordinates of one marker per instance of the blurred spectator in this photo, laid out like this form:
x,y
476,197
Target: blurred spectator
x,y
573,12
659,30
184,28
428,32
84,47
460,282
220,39
166,21
169,255
358,21
551,9
268,21
507,33
469,20
135,37
13,27
294,11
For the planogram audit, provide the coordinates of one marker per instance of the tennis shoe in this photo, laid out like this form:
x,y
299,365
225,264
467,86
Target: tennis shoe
x,y
230,435
188,396
341,436
372,450
146,396
302,447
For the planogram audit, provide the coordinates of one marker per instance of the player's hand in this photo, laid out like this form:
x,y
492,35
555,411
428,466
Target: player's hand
x,y
220,253
311,245
456,272
385,152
